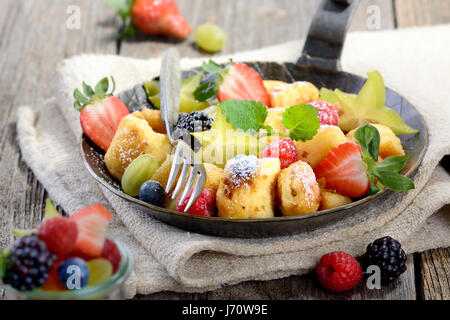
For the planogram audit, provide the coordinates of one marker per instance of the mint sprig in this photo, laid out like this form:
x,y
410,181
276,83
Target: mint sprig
x,y
208,89
90,95
387,171
301,120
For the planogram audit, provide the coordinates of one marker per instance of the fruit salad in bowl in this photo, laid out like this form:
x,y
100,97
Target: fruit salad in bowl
x,y
66,258
271,149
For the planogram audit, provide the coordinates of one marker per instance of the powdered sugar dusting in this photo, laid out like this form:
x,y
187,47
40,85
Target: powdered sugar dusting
x,y
241,169
305,177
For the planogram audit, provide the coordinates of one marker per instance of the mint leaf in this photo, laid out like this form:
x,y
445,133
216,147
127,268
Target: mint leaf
x,y
394,163
244,114
212,67
302,121
393,180
206,91
368,138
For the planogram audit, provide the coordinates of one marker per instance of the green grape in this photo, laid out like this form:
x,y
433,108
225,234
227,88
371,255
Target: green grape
x,y
210,37
140,170
187,100
100,270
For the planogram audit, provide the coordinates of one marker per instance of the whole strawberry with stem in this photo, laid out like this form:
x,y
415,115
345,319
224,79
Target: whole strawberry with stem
x,y
100,112
154,17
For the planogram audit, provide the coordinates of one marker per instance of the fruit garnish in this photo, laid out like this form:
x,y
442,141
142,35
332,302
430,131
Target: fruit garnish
x,y
100,112
53,283
240,82
2,263
344,171
223,142
385,172
210,86
140,170
28,263
154,17
153,193
188,102
205,205
284,150
386,253
338,271
59,234
302,122
368,106
22,232
328,114
111,253
210,37
100,270
74,273
92,224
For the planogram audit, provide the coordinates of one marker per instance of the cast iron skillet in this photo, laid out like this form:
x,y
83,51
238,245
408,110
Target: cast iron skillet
x,y
318,64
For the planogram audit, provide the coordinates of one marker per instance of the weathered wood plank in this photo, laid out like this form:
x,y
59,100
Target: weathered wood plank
x,y
421,12
435,274
30,47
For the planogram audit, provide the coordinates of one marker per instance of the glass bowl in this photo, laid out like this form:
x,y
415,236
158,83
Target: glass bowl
x,y
110,289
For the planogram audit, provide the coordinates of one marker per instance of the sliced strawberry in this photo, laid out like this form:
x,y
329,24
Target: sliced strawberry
x,y
100,120
159,17
328,114
344,170
92,224
243,83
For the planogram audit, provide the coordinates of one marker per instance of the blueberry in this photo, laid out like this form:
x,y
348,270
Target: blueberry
x,y
74,273
153,193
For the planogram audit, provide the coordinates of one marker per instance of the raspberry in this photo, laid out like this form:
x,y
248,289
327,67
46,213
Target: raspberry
x,y
284,150
59,234
339,271
388,254
328,114
111,253
204,205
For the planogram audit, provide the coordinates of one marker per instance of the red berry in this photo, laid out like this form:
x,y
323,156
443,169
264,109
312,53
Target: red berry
x,y
243,83
52,283
344,170
101,118
92,225
59,234
339,271
284,150
205,204
328,114
111,253
159,17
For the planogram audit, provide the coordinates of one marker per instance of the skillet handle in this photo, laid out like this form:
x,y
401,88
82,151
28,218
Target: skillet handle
x,y
326,36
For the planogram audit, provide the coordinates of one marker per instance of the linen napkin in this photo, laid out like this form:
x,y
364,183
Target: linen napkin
x,y
412,61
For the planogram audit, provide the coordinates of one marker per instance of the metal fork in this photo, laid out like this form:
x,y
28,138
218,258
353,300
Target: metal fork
x,y
184,158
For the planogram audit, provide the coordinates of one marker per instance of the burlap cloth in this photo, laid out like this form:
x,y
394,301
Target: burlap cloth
x,y
414,62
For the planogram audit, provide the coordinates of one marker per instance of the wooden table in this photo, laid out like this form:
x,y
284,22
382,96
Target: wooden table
x,y
34,36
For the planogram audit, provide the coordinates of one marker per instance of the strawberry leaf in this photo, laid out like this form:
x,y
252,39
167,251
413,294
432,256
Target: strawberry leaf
x,y
212,67
101,87
368,138
394,163
302,121
393,180
88,91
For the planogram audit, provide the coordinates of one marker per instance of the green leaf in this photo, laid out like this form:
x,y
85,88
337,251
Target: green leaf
x,y
119,5
393,180
302,121
2,263
206,91
393,163
102,86
244,114
368,138
80,100
212,67
373,187
88,91
128,31
113,85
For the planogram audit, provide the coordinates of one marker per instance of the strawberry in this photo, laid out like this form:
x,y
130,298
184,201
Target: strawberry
x,y
205,205
59,234
284,150
100,112
111,253
344,170
328,114
243,83
154,17
92,224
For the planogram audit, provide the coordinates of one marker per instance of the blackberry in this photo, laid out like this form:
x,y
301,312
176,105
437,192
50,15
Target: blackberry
x,y
28,263
387,254
195,121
